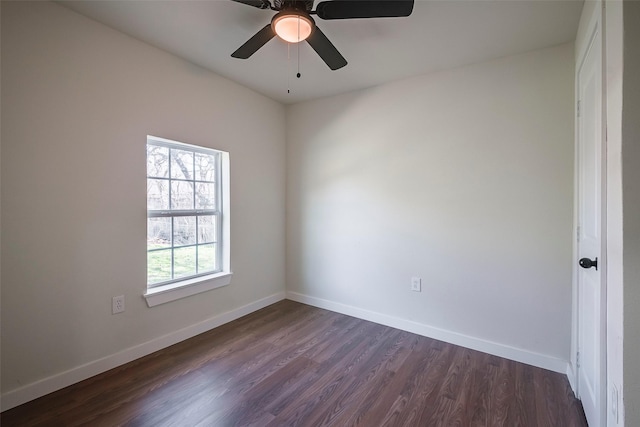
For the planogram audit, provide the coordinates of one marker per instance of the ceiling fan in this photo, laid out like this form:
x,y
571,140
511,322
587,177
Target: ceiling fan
x,y
293,23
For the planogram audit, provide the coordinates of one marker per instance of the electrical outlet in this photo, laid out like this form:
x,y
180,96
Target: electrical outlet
x,y
416,284
117,304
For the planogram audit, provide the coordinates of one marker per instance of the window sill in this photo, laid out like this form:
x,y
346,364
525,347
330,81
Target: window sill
x,y
186,288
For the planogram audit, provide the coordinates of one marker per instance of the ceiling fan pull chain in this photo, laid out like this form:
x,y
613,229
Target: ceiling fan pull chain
x,y
288,67
298,75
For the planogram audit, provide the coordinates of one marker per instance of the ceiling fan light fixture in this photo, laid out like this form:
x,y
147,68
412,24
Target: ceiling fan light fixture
x,y
292,26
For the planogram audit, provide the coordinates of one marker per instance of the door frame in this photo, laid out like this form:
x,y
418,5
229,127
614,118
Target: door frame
x,y
594,23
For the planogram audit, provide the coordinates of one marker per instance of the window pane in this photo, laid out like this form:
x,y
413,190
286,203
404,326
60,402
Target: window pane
x,y
205,167
157,161
187,181
184,230
158,233
205,195
184,262
157,194
158,266
206,229
206,258
181,195
181,164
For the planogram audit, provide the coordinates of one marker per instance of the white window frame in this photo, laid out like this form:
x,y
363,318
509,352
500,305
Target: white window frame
x,y
180,288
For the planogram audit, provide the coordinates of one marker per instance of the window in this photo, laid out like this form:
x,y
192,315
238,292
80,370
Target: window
x,y
187,224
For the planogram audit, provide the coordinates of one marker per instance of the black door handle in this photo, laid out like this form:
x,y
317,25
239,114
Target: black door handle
x,y
588,263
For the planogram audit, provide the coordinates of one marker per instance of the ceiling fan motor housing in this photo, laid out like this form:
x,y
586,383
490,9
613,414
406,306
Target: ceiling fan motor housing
x,y
305,5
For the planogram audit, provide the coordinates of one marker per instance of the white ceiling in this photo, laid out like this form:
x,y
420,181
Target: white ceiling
x,y
438,35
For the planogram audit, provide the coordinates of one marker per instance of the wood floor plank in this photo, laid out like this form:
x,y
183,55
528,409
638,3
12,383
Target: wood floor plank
x,y
436,364
290,364
367,376
469,385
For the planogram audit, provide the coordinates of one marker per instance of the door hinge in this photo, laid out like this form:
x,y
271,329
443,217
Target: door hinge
x,y
578,108
578,359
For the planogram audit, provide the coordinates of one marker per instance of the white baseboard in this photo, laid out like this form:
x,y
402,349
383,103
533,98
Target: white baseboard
x,y
48,385
512,353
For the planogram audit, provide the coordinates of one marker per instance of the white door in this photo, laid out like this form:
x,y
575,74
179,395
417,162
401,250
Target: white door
x,y
591,292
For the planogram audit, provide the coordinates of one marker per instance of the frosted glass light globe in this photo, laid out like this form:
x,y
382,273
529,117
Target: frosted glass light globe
x,y
292,27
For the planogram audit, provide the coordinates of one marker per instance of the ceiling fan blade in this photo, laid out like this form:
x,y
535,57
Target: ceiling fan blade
x,y
348,9
326,50
252,45
260,4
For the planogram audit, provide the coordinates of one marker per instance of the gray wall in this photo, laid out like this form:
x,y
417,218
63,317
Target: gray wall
x,y
631,210
614,233
463,178
78,100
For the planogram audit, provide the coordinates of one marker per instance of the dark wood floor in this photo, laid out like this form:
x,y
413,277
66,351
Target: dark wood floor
x,y
295,365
